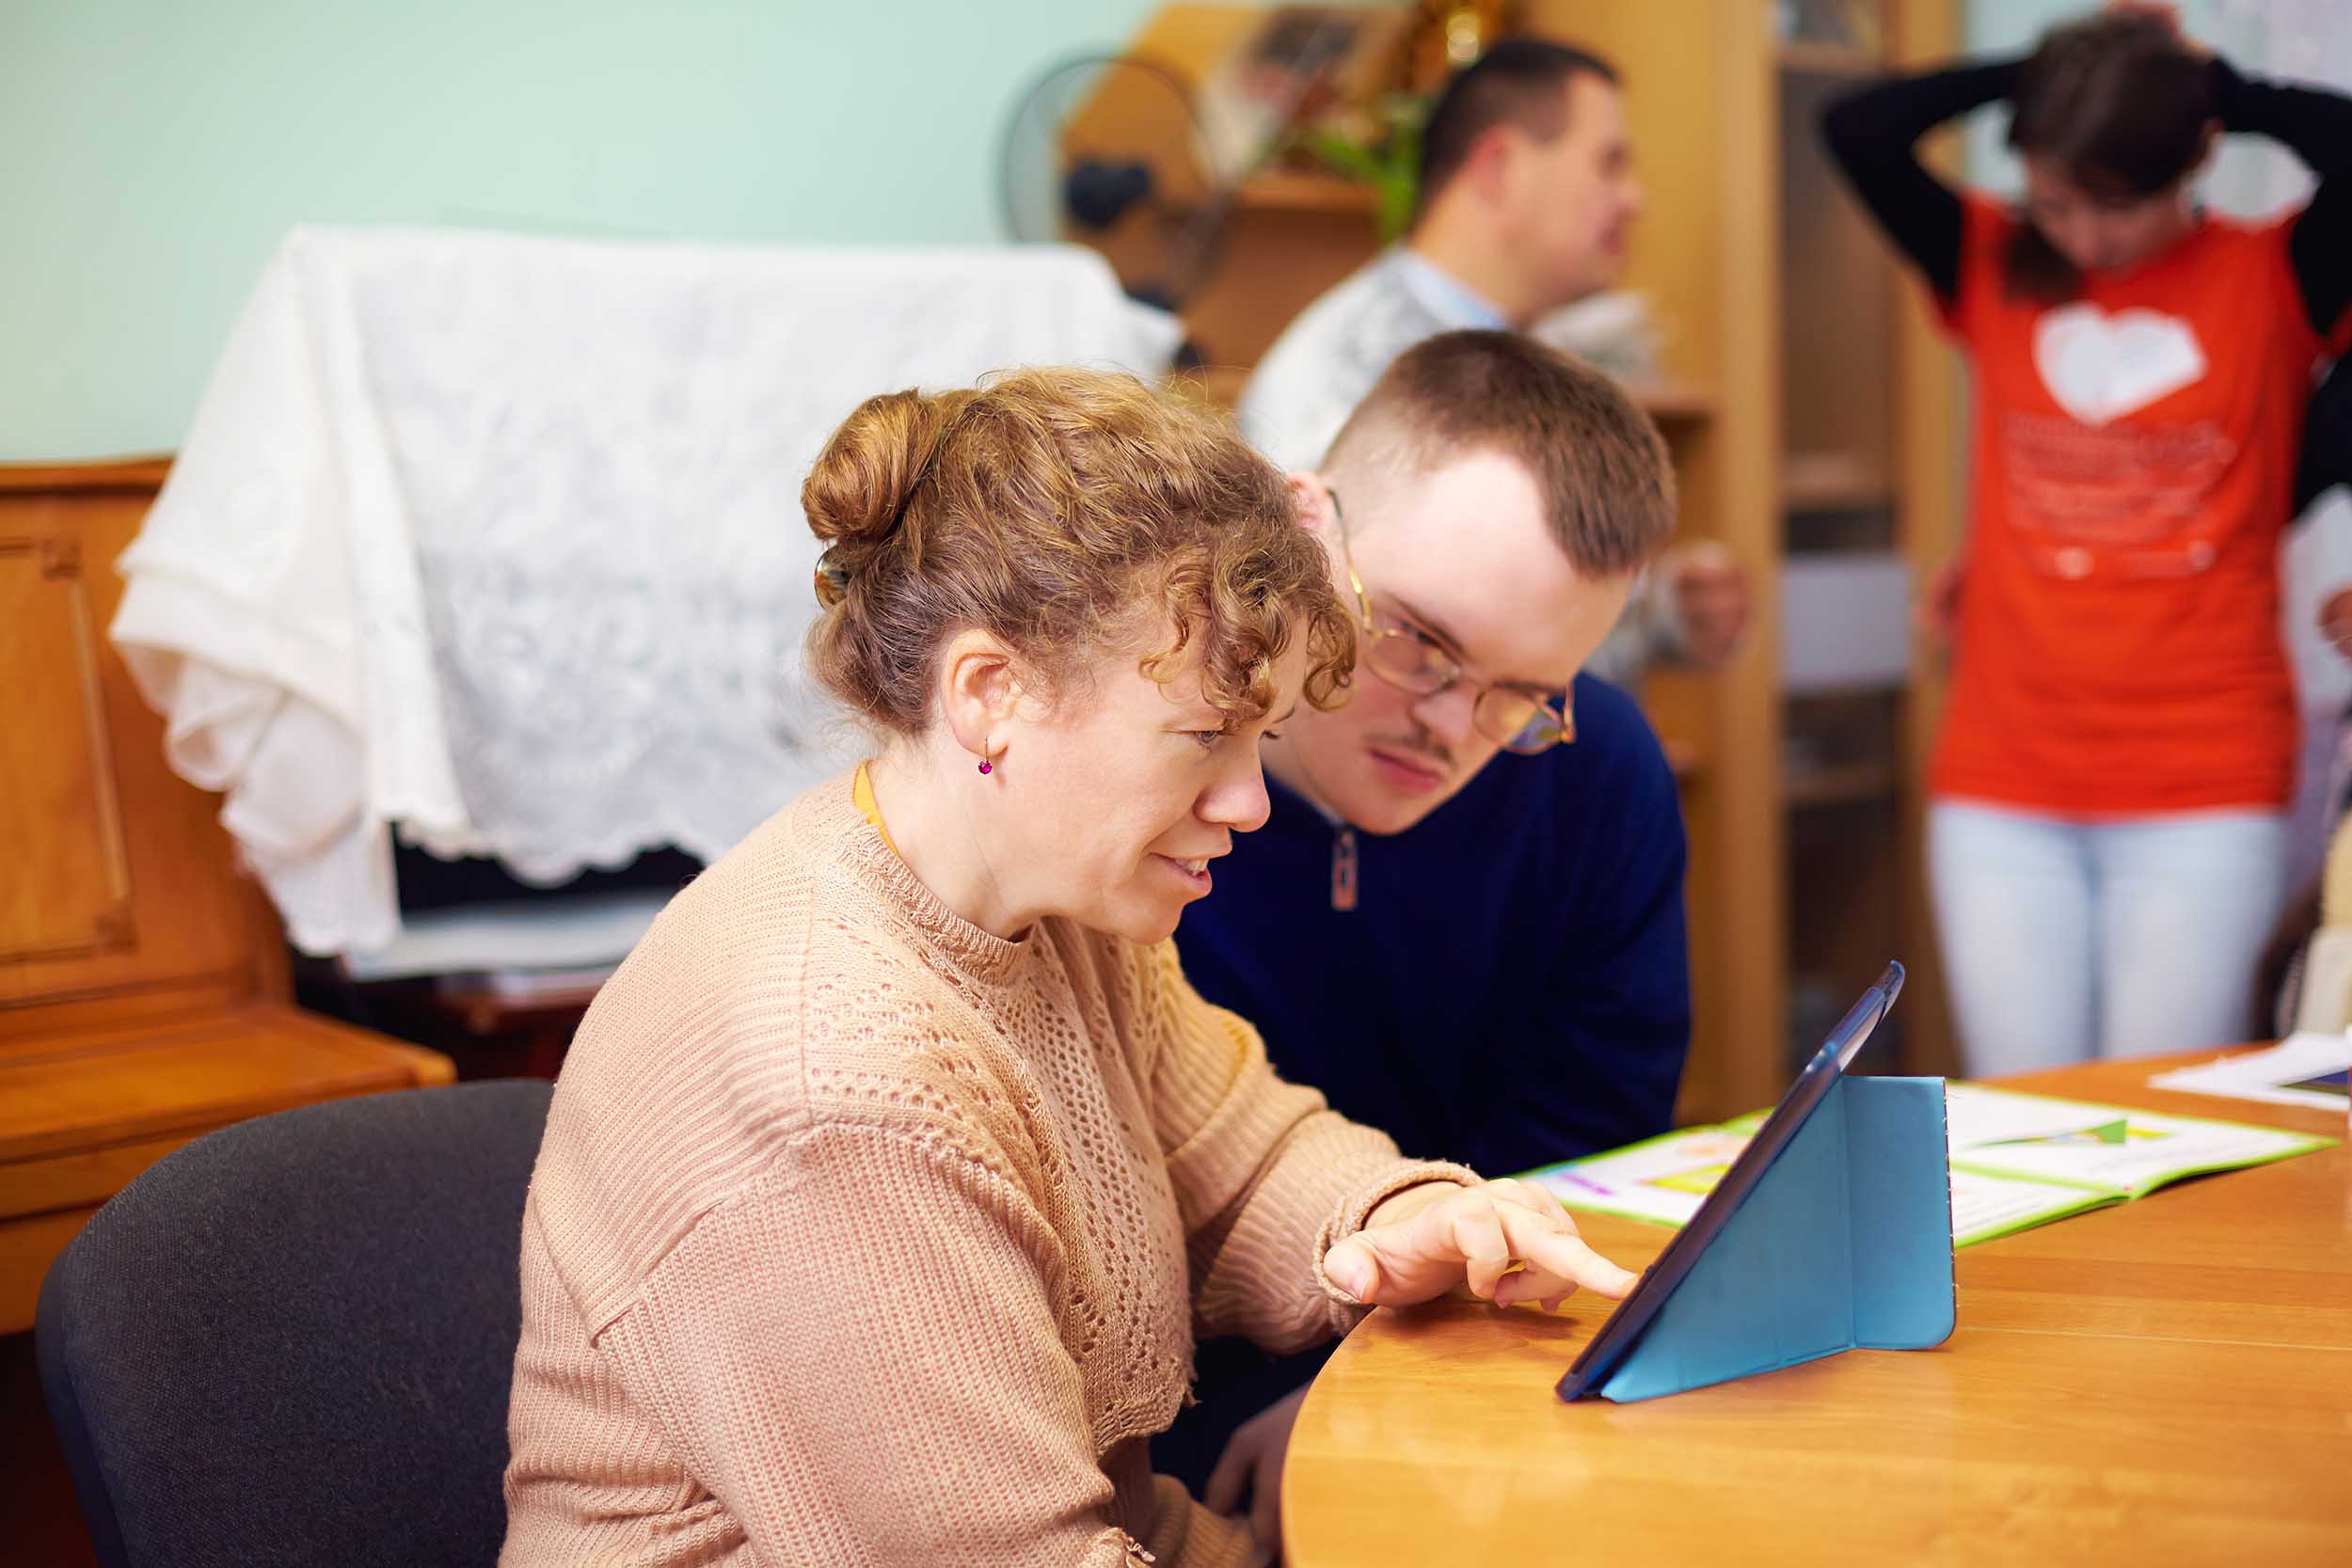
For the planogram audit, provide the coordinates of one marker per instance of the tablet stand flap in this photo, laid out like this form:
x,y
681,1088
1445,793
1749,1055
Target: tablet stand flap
x,y
1902,1181
1845,1241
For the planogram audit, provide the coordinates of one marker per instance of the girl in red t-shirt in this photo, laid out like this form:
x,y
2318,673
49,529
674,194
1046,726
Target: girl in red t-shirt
x,y
2106,840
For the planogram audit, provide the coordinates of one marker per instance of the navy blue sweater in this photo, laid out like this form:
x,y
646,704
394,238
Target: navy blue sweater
x,y
1513,986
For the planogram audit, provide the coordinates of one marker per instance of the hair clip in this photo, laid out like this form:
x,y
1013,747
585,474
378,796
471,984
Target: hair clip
x,y
833,581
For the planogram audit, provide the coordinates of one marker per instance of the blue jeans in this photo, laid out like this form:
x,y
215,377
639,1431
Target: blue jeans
x,y
2064,939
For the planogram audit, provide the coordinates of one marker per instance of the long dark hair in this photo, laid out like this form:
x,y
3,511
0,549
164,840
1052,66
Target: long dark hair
x,y
2120,103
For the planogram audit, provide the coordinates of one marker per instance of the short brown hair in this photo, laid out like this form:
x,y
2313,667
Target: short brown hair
x,y
1597,459
1520,82
1057,510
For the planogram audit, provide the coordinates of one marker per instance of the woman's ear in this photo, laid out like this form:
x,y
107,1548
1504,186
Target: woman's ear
x,y
1312,495
979,690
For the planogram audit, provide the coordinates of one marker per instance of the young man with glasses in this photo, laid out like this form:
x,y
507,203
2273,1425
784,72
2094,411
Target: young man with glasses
x,y
1463,919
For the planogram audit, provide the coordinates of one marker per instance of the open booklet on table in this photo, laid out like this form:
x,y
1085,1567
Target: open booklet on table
x,y
2017,1160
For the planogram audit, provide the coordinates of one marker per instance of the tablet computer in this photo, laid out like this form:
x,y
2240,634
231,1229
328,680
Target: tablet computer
x,y
1618,1336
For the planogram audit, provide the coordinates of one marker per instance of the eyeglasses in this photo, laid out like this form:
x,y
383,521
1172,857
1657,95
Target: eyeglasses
x,y
1412,659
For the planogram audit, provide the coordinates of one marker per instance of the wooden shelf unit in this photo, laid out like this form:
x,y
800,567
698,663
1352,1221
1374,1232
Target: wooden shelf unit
x,y
1286,190
1672,403
1850,783
1817,58
1872,425
1828,393
1834,481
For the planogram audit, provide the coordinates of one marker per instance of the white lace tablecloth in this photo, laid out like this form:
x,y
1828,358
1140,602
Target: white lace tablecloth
x,y
497,542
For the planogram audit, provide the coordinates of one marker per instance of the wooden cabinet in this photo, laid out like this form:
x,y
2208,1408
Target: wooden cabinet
x,y
143,990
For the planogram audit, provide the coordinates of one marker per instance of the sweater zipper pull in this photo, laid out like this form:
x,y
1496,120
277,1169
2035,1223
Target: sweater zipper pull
x,y
1343,869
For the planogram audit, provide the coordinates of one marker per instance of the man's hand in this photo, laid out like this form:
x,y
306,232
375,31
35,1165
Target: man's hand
x,y
1712,598
1509,1241
1252,1463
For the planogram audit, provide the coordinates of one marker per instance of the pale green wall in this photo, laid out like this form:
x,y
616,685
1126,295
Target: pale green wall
x,y
153,154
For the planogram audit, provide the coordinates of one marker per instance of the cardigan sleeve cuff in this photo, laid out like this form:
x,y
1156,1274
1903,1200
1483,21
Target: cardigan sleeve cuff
x,y
1357,1206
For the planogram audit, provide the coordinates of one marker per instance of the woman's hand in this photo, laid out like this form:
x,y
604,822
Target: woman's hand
x,y
2335,623
1252,1467
1938,612
1510,1241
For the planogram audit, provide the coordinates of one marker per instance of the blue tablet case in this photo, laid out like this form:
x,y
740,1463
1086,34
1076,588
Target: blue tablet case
x,y
1845,1241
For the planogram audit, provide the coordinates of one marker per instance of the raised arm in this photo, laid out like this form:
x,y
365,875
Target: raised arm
x,y
1873,134
2317,126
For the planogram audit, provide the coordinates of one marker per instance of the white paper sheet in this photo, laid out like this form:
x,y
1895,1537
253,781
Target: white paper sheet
x,y
1975,1116
2282,1075
1984,1207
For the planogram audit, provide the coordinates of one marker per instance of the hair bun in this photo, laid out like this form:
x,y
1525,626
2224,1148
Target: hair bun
x,y
857,490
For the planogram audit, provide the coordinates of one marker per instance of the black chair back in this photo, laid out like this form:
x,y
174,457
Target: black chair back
x,y
291,1341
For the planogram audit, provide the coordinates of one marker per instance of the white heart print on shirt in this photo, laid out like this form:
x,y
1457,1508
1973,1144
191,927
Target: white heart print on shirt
x,y
2100,367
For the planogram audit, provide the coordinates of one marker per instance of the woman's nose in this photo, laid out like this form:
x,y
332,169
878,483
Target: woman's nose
x,y
1240,801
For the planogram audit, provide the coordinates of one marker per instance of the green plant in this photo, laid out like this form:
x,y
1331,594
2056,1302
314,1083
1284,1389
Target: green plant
x,y
1380,146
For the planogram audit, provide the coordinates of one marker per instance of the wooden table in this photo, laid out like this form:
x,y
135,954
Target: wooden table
x,y
2165,1380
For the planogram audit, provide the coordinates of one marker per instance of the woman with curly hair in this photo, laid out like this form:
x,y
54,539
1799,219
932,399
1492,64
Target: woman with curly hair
x,y
889,1178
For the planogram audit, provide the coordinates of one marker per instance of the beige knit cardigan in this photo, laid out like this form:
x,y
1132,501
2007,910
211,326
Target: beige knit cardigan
x,y
860,1235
